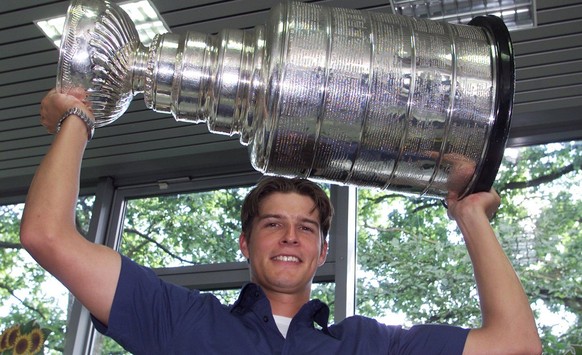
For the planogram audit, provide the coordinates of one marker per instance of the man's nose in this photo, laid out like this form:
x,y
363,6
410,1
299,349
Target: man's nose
x,y
291,236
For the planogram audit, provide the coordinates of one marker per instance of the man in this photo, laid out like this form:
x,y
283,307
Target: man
x,y
285,223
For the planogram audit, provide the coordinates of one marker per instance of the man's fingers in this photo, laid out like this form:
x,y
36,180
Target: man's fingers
x,y
78,92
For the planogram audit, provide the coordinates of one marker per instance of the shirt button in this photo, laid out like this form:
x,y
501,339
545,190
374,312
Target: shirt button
x,y
265,319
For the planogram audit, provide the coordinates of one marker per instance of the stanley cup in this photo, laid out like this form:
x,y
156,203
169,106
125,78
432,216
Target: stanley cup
x,y
369,99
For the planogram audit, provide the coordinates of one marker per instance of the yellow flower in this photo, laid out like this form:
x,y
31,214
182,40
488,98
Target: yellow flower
x,y
11,334
4,341
22,345
23,339
36,340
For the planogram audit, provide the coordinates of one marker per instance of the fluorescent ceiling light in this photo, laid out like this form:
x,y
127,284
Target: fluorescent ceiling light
x,y
145,16
52,28
515,13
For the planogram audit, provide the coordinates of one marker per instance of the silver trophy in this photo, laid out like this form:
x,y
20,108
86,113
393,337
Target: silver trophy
x,y
345,96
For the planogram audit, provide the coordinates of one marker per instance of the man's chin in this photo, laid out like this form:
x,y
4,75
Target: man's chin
x,y
288,285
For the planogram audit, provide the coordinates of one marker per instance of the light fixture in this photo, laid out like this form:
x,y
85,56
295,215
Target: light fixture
x,y
144,15
516,14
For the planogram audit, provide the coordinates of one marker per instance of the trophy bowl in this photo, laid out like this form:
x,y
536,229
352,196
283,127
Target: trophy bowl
x,y
98,50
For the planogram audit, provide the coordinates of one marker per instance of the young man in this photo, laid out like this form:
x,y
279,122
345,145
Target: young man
x,y
285,223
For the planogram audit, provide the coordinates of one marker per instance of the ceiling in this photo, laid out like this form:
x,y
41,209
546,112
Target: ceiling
x,y
143,146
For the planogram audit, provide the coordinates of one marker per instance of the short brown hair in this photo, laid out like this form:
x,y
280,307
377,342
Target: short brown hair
x,y
271,184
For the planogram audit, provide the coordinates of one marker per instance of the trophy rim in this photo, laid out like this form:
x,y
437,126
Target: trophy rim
x,y
86,24
504,104
68,44
64,45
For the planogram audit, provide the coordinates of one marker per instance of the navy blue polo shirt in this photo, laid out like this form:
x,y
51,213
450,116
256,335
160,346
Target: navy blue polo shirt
x,y
150,316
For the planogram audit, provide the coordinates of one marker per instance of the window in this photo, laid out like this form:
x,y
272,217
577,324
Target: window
x,y
414,268
183,229
27,291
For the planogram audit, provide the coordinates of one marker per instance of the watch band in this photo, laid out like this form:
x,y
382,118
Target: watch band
x,y
75,111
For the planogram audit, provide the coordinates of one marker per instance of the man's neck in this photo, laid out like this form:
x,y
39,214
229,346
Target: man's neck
x,y
284,304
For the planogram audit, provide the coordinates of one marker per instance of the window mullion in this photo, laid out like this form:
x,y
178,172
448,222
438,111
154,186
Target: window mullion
x,y
343,231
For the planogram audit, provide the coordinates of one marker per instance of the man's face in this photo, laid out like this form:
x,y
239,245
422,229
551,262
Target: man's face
x,y
285,246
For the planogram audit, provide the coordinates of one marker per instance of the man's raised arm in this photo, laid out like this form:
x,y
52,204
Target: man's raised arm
x,y
48,230
508,324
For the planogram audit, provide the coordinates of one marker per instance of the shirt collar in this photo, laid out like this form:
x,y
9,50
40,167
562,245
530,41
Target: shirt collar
x,y
249,295
313,311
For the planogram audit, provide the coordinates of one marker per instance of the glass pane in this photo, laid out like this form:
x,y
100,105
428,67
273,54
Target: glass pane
x,y
105,345
325,292
28,292
226,297
413,266
184,229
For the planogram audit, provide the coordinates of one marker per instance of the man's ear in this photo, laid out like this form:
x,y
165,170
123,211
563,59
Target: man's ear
x,y
243,245
323,254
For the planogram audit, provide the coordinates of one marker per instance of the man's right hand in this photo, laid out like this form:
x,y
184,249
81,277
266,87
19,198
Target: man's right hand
x,y
55,104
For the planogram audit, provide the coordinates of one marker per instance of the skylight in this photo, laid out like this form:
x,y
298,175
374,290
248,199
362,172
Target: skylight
x,y
515,14
146,18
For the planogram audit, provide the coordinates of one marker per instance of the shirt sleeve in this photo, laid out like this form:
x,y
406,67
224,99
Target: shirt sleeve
x,y
433,339
363,335
146,310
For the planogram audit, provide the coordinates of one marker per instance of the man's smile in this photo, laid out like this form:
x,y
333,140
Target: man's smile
x,y
287,258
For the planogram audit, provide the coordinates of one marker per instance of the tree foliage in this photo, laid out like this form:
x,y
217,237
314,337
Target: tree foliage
x,y
184,229
411,258
27,292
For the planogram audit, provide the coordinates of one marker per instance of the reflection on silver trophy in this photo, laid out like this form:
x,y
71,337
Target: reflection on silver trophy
x,y
351,97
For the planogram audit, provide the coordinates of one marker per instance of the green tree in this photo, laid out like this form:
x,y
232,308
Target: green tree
x,y
413,260
183,229
27,291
